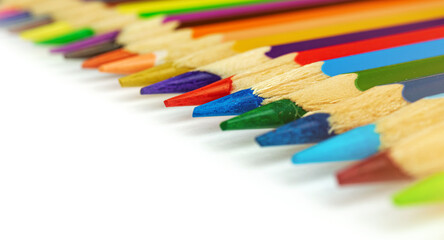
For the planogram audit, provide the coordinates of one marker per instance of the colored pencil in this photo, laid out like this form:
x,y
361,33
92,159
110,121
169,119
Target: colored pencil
x,y
174,22
72,29
336,118
426,191
61,32
416,156
364,80
364,141
31,23
235,30
139,30
137,7
36,12
89,42
135,63
13,18
291,84
94,50
149,24
283,61
212,54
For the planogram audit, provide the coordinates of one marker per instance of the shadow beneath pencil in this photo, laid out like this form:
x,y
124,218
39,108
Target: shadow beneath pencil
x,y
298,174
410,217
268,156
357,194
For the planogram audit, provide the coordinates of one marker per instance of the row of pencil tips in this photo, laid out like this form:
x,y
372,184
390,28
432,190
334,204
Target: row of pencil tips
x,y
359,79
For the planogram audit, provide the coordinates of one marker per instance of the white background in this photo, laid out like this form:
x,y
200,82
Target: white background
x,y
81,158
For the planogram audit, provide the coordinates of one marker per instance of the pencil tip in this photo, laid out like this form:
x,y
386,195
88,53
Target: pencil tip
x,y
429,190
182,83
271,115
115,55
92,51
130,65
152,75
70,37
377,168
233,104
202,95
15,19
35,22
46,32
14,16
309,129
93,41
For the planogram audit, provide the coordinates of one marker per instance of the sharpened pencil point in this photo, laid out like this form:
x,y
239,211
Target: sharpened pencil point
x,y
15,19
108,57
309,129
202,95
182,83
46,32
34,22
269,116
377,168
429,190
8,11
233,104
152,75
14,15
86,43
69,37
93,51
130,65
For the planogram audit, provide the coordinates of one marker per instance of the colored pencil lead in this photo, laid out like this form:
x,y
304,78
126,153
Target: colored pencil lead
x,y
416,156
69,38
211,73
309,129
36,21
153,75
271,115
103,38
429,190
93,51
97,61
202,95
15,19
129,65
377,168
13,16
365,141
47,31
233,103
179,83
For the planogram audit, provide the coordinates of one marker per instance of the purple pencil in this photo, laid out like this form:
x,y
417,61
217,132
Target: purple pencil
x,y
95,40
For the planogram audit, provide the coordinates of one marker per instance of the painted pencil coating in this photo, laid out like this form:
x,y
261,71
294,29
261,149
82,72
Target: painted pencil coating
x,y
219,89
249,10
